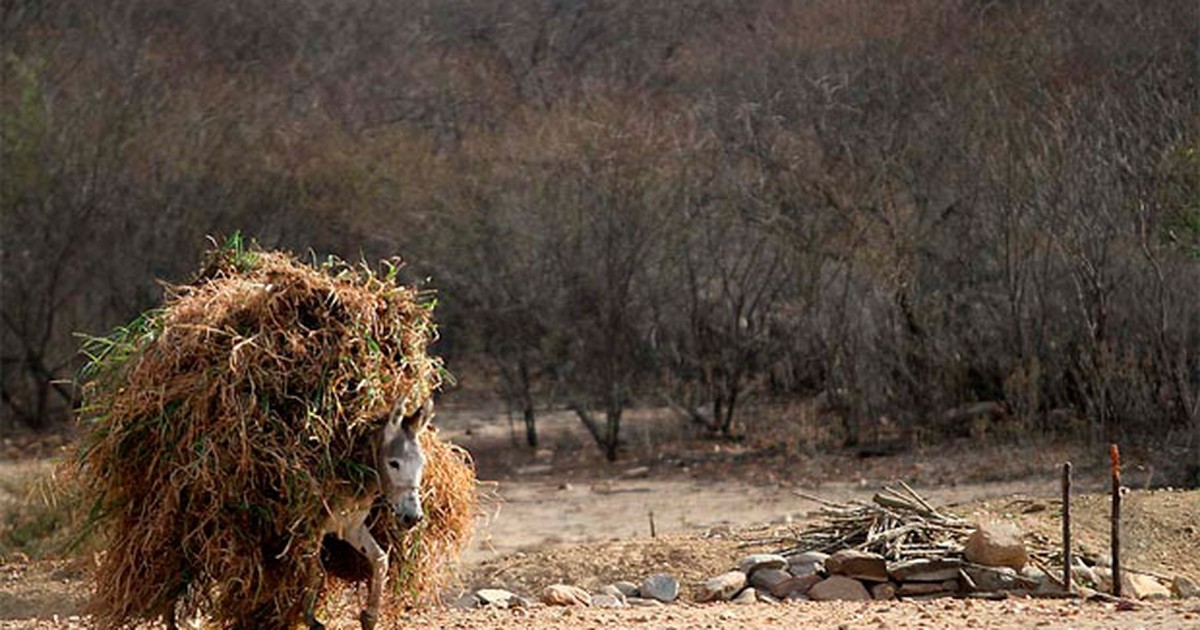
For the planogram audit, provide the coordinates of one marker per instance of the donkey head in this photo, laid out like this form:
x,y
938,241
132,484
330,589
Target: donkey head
x,y
402,462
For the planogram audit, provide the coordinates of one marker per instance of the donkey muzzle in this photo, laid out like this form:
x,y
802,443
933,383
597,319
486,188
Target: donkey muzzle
x,y
408,510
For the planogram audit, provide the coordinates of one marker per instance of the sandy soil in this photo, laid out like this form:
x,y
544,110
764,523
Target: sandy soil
x,y
841,615
560,514
1175,615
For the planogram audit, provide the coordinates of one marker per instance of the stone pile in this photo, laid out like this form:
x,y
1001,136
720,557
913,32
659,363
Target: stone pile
x,y
898,547
655,590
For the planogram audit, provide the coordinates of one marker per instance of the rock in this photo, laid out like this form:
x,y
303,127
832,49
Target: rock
x,y
642,602
628,589
997,544
467,602
1083,574
808,557
565,595
795,585
1043,583
838,587
766,579
1133,585
1104,581
858,564
753,562
1033,573
721,588
604,600
766,597
1143,586
991,579
925,570
1183,587
927,588
496,597
918,588
801,570
883,591
612,591
747,596
807,563
660,586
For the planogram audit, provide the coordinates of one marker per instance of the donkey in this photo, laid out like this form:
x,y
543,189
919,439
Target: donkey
x,y
399,463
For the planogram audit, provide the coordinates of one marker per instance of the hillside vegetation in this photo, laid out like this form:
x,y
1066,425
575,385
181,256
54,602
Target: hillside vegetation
x,y
905,207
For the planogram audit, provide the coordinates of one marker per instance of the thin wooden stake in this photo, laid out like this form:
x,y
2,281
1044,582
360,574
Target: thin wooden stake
x,y
1115,455
1066,533
653,534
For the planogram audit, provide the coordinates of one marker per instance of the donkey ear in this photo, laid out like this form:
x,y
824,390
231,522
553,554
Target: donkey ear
x,y
419,419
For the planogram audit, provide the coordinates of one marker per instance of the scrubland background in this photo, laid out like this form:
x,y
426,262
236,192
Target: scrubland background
x,y
925,217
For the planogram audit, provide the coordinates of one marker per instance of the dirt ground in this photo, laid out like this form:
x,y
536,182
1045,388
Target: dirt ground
x,y
561,514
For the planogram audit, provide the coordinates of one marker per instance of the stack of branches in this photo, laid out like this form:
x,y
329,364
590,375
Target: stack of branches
x,y
219,427
898,524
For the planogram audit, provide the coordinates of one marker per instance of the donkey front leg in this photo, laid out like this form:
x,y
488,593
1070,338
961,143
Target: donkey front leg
x,y
360,536
169,619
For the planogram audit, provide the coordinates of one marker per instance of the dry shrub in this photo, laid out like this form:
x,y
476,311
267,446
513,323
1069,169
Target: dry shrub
x,y
218,428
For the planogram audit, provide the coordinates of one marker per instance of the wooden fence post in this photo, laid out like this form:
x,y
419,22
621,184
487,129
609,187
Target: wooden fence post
x,y
1115,455
1066,527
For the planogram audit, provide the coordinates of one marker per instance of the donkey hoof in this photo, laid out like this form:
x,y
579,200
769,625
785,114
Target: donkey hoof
x,y
368,619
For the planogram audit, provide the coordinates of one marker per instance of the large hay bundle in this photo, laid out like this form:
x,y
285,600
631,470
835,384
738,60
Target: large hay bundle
x,y
218,427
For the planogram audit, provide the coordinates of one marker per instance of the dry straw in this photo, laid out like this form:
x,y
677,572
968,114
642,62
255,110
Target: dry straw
x,y
218,427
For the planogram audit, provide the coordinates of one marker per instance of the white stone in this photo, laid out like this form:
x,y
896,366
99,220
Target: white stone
x,y
612,591
1144,586
753,562
604,600
747,596
807,563
497,597
628,589
722,587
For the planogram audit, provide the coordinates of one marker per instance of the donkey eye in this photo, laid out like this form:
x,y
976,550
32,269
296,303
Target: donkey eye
x,y
394,464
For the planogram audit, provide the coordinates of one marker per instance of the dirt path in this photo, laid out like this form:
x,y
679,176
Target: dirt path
x,y
525,514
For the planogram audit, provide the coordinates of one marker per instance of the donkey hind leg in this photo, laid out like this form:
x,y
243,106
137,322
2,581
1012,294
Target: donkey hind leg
x,y
310,614
360,537
317,582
